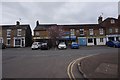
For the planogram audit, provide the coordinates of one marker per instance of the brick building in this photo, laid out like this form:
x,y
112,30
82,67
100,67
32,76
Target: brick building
x,y
84,34
112,29
16,35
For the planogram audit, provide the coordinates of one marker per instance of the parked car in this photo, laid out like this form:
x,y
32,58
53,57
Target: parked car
x,y
44,46
2,46
62,45
74,45
115,44
36,45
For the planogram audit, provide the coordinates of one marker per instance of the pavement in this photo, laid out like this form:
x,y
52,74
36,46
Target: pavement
x,y
100,66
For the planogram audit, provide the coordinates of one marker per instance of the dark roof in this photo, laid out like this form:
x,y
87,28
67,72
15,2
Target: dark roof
x,y
79,25
12,26
43,26
108,19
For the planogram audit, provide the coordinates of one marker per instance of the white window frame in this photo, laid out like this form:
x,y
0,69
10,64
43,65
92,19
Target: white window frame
x,y
116,30
72,32
91,31
37,33
101,40
110,30
101,32
7,41
8,32
112,21
19,32
91,40
83,31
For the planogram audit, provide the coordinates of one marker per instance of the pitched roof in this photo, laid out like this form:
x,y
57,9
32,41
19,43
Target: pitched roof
x,y
12,26
43,26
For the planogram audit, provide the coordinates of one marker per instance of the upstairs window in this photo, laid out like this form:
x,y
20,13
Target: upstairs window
x,y
101,31
116,30
110,30
19,32
112,21
37,33
91,31
8,32
81,31
72,32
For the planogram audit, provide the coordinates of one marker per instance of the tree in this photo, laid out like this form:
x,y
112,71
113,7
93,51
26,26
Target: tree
x,y
55,33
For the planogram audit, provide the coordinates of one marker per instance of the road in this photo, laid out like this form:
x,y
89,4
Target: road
x,y
27,63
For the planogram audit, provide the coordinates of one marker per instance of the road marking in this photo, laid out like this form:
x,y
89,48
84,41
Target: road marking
x,y
71,65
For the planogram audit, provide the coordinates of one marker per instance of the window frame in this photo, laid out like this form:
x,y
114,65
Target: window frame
x,y
8,41
19,32
82,31
8,32
91,31
101,40
116,30
101,31
90,40
110,30
72,32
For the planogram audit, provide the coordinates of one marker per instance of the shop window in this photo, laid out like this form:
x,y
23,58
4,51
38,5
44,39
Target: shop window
x,y
90,40
111,38
101,39
117,39
17,41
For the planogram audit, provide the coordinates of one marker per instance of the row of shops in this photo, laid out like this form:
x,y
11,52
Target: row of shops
x,y
85,41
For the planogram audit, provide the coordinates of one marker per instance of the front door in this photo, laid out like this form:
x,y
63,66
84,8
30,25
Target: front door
x,y
94,41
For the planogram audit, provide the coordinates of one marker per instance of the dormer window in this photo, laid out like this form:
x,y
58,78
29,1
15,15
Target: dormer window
x,y
112,21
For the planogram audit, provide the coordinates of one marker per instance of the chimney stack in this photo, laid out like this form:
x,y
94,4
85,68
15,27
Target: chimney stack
x,y
37,23
17,23
100,19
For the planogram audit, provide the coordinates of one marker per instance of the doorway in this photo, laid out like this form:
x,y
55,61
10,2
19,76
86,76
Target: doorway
x,y
95,41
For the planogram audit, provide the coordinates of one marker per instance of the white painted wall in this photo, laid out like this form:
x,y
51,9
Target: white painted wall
x,y
101,43
90,44
21,41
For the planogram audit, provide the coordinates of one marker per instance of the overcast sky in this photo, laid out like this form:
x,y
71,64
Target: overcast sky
x,y
56,12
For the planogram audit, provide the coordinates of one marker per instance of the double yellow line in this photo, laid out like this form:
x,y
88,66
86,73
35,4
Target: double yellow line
x,y
71,65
